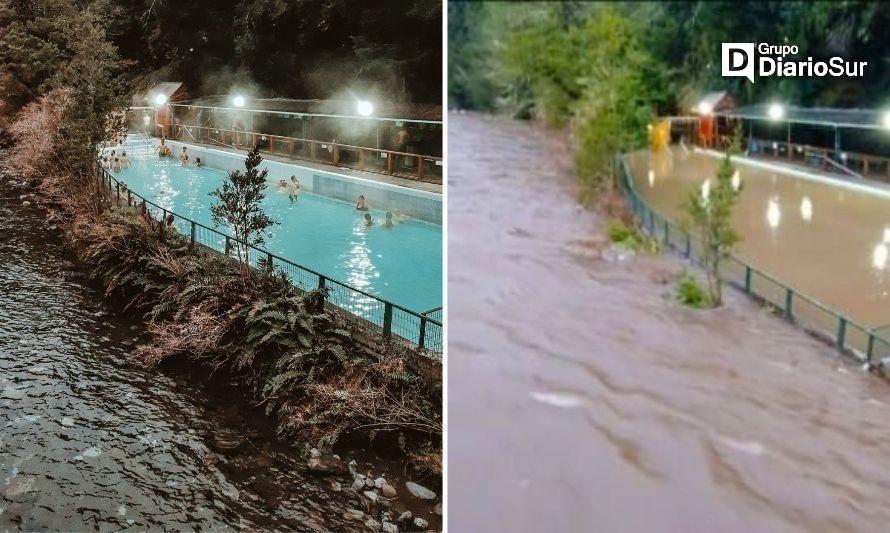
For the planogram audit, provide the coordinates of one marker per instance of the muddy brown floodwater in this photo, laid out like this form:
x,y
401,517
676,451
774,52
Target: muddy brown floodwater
x,y
581,398
90,441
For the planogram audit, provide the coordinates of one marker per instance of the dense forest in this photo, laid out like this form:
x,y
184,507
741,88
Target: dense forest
x,y
608,68
501,55
272,48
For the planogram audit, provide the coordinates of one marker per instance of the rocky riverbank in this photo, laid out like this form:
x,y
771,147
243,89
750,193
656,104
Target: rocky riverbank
x,y
182,426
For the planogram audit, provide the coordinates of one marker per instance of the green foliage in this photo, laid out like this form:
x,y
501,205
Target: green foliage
x,y
631,238
618,231
691,293
711,221
239,205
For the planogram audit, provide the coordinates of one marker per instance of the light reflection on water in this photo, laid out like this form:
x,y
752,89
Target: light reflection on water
x,y
837,258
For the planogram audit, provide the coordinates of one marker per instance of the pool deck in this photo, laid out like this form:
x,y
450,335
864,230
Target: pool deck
x,y
867,184
372,176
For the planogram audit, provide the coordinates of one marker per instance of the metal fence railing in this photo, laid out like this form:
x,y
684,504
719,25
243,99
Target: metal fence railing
x,y
360,308
393,163
851,338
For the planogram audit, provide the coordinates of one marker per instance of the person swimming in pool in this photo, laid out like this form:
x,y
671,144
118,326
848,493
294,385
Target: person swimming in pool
x,y
361,204
282,185
116,165
198,162
368,220
105,163
388,223
164,150
125,161
293,188
184,157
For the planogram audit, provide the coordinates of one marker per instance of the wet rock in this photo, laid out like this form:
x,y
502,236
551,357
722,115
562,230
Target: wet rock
x,y
134,328
419,491
372,524
67,421
438,509
369,483
325,465
420,523
358,483
353,467
405,516
226,442
371,495
378,483
19,486
390,528
314,453
354,514
336,487
388,490
26,203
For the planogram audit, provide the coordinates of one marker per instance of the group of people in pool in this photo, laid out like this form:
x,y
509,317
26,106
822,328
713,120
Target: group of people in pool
x,y
164,150
292,188
114,162
390,219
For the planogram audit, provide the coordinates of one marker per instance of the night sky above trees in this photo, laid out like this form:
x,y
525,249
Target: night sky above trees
x,y
303,49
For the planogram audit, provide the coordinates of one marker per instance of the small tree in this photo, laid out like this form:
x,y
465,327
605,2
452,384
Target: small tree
x,y
239,205
711,219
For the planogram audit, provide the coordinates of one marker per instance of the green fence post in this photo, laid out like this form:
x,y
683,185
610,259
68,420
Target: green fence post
x,y
129,198
387,319
871,345
421,337
192,246
841,332
747,279
227,246
117,187
161,225
788,296
269,261
322,281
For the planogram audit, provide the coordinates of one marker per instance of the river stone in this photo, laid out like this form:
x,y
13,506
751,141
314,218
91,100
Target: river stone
x,y
336,487
369,482
67,422
419,491
405,516
372,524
371,495
354,514
358,484
325,465
388,490
353,467
378,483
314,452
390,528
438,509
420,523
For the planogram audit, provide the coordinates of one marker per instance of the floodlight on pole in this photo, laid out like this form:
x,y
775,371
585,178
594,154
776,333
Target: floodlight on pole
x,y
704,108
364,108
776,111
885,121
238,101
160,99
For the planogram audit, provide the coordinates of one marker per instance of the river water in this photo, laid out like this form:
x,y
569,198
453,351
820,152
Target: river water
x,y
90,441
582,398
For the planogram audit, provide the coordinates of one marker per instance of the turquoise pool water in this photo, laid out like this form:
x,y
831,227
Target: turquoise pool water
x,y
402,264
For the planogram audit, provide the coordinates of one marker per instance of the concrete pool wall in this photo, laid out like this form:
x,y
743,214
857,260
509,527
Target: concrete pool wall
x,y
423,205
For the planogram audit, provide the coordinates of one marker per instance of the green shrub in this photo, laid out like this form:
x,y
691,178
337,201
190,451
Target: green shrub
x,y
618,231
691,293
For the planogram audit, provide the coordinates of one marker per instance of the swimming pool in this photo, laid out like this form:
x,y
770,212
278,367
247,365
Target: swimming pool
x,y
402,264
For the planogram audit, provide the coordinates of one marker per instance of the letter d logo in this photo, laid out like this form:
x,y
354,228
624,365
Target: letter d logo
x,y
737,60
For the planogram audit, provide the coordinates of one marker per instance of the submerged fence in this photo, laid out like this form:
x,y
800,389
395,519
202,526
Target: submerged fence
x,y
851,338
372,313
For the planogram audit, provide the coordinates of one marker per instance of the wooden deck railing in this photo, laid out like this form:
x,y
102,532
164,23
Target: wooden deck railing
x,y
404,165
